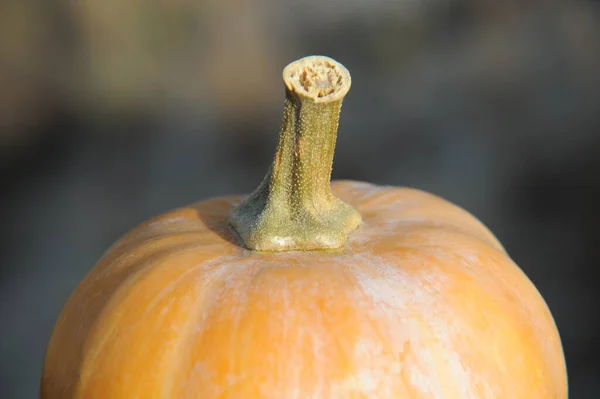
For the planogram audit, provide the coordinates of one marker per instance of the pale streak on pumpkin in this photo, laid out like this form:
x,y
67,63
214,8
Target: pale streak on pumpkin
x,y
423,302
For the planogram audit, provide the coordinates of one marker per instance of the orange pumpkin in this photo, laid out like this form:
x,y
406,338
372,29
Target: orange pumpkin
x,y
307,290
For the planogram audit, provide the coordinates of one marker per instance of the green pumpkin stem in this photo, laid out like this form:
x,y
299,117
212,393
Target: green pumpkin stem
x,y
293,209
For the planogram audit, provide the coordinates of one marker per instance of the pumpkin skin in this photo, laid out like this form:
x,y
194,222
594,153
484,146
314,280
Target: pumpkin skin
x,y
423,302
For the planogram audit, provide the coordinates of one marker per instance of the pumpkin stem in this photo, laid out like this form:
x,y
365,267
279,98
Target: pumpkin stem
x,y
293,209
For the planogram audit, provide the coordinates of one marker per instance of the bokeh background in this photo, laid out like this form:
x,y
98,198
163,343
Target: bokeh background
x,y
113,111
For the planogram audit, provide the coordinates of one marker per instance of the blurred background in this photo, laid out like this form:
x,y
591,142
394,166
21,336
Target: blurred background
x,y
113,111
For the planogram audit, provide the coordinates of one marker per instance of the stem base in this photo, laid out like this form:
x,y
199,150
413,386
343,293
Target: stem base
x,y
273,228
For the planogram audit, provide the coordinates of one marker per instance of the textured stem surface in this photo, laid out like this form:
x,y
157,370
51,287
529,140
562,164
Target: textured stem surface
x,y
293,208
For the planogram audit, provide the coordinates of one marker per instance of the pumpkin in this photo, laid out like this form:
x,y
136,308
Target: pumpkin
x,y
307,289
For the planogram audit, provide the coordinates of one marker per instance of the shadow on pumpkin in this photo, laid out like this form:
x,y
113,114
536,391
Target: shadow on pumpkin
x,y
217,220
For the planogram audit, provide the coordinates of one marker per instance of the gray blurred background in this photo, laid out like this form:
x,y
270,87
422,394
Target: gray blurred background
x,y
113,111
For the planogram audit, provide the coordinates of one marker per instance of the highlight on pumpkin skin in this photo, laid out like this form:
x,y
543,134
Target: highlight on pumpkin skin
x,y
293,209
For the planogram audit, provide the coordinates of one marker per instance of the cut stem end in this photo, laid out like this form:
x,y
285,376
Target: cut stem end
x,y
317,77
